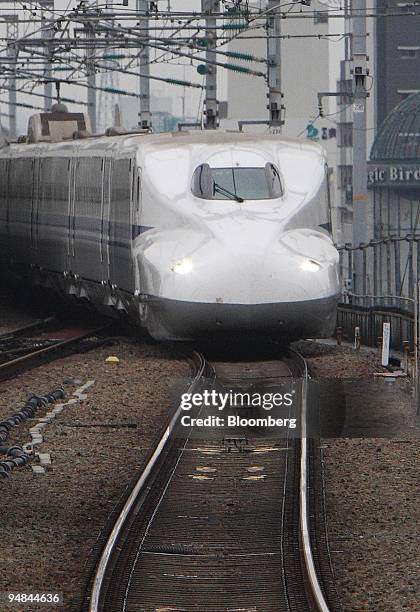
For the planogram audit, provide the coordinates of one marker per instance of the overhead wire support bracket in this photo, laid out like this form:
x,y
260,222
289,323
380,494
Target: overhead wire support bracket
x,y
331,94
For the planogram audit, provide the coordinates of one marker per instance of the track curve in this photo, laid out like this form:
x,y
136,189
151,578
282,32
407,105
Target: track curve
x,y
219,518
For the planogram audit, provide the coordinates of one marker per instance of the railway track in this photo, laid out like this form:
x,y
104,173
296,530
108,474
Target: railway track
x,y
220,516
41,342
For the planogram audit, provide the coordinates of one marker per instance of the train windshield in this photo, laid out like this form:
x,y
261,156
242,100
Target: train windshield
x,y
237,183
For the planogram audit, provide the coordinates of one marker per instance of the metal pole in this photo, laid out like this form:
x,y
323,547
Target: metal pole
x,y
12,33
350,266
47,33
361,224
211,112
341,262
417,259
381,270
397,256
364,276
416,345
410,266
275,96
388,267
91,78
145,117
375,269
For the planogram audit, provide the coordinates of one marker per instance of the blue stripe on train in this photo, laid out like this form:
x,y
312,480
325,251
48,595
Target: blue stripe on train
x,y
90,224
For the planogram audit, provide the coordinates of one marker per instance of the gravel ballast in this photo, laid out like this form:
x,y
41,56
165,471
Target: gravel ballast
x,y
50,522
372,488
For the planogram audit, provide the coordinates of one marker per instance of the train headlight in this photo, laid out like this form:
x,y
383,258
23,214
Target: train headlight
x,y
309,265
183,266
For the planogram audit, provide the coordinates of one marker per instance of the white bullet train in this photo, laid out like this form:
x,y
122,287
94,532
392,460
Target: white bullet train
x,y
191,234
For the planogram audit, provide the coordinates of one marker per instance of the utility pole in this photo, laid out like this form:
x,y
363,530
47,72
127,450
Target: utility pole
x,y
209,8
361,223
145,118
275,96
106,100
47,33
12,33
91,78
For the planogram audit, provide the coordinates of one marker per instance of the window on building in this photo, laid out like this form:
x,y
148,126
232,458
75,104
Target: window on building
x,y
320,17
408,52
404,93
345,177
406,7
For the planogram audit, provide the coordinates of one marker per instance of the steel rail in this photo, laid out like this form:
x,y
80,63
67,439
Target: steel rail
x,y
311,588
95,599
304,527
25,360
14,333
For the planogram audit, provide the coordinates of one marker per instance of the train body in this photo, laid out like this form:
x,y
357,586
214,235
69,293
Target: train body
x,y
188,234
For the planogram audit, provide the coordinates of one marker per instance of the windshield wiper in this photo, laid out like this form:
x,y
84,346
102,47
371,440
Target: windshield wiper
x,y
224,191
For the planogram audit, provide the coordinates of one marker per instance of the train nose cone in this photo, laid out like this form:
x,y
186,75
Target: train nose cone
x,y
239,284
254,269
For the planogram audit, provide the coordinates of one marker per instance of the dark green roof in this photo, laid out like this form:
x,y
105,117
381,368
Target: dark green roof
x,y
399,136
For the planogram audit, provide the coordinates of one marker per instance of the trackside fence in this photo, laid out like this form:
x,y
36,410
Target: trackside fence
x,y
370,322
389,269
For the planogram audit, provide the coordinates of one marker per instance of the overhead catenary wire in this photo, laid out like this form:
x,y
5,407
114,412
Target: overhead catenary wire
x,y
124,27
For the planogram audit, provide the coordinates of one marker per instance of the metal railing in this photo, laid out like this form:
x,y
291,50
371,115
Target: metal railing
x,y
388,291
389,269
370,320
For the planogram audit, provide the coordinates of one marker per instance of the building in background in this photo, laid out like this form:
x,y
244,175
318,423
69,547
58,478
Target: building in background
x,y
159,104
391,261
394,62
305,69
398,55
344,118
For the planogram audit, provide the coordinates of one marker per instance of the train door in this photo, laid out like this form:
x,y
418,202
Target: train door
x,y
136,212
67,210
105,218
72,165
35,209
51,213
20,207
86,222
40,212
120,226
136,221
